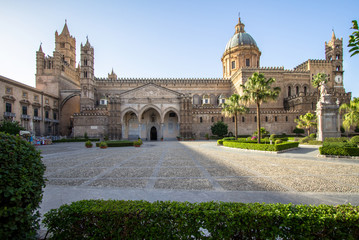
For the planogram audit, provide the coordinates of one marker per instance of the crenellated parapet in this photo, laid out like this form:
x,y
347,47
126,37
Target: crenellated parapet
x,y
164,81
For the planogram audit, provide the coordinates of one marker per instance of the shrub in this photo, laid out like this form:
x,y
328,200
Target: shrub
x,y
21,183
123,143
88,143
219,128
220,142
313,135
261,147
305,140
339,151
355,140
137,143
103,145
338,139
76,140
118,219
10,127
86,136
278,141
263,131
315,142
272,137
298,131
228,138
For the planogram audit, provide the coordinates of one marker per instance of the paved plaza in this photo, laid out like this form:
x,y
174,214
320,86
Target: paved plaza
x,y
196,171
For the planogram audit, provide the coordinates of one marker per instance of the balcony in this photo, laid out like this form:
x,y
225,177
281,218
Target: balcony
x,y
48,120
36,118
25,117
55,121
9,114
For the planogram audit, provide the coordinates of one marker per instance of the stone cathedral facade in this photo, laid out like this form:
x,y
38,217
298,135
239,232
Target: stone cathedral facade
x,y
127,108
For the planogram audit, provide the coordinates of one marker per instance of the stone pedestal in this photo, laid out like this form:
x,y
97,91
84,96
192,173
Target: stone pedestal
x,y
328,118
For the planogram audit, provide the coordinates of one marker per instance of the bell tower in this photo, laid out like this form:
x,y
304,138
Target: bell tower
x,y
65,44
334,53
87,77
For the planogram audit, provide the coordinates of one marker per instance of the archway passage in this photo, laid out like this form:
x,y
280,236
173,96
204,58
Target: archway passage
x,y
153,136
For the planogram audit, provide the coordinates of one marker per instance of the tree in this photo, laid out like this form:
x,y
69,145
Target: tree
x,y
351,116
258,90
306,121
318,80
10,127
354,39
232,108
219,128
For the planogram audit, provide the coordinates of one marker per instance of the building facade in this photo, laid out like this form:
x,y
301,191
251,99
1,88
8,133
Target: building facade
x,y
128,108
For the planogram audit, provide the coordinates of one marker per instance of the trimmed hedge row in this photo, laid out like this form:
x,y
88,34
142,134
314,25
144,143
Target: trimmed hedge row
x,y
339,151
100,219
123,143
76,140
261,147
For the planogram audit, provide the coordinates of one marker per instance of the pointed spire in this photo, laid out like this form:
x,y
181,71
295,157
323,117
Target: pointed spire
x,y
112,72
40,48
65,30
333,35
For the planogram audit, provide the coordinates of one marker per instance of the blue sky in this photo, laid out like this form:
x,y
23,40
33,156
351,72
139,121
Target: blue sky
x,y
174,38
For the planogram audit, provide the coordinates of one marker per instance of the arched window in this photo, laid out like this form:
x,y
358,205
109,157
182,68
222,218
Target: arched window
x,y
222,119
85,74
338,68
297,90
266,119
212,119
286,118
275,118
255,119
243,120
233,119
85,62
289,91
200,119
305,91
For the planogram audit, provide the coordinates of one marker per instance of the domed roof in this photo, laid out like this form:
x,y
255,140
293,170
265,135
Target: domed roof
x,y
241,38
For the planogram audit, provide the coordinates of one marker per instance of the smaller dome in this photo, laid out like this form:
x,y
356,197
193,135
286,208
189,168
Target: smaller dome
x,y
241,38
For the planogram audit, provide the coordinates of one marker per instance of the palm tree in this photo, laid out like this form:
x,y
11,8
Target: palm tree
x,y
232,108
351,116
258,90
306,121
318,80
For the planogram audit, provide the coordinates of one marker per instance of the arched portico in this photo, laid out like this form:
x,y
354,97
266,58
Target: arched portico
x,y
150,123
130,126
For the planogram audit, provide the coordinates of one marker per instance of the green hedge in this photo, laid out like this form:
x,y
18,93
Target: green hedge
x,y
220,142
339,151
100,219
338,139
76,140
261,147
21,184
123,143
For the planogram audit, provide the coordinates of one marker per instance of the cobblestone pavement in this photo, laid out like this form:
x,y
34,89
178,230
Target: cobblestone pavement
x,y
196,171
196,166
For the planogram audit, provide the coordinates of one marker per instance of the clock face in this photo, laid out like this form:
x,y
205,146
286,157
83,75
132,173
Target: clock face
x,y
338,79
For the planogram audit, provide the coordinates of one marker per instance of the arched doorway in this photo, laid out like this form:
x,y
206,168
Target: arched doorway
x,y
153,134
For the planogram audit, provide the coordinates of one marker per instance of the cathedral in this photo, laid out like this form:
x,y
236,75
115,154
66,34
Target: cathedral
x,y
164,108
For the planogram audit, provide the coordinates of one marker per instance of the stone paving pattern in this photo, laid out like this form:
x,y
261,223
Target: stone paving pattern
x,y
198,165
